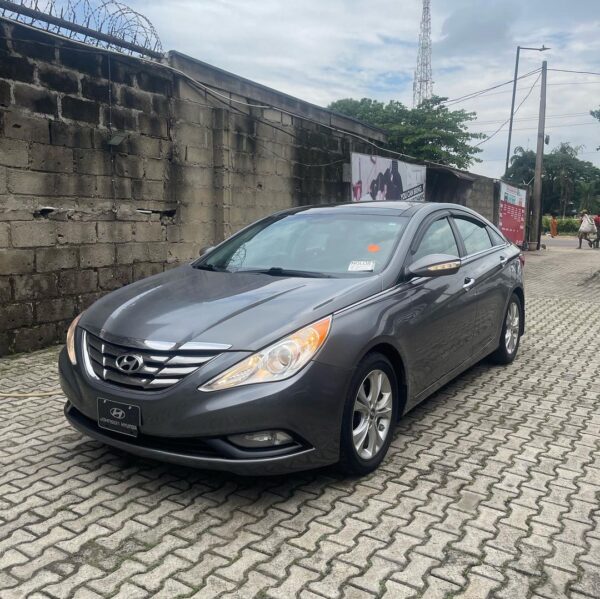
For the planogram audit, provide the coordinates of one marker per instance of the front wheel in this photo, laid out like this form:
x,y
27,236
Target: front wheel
x,y
370,413
511,333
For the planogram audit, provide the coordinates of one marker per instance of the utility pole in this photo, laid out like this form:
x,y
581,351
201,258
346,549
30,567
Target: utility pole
x,y
514,93
536,217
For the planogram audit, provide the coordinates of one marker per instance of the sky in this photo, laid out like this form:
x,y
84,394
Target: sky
x,y
324,50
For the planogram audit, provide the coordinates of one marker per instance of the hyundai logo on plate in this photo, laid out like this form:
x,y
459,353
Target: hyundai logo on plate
x,y
117,413
129,363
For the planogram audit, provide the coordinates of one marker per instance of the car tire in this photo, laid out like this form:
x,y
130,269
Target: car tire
x,y
510,336
365,414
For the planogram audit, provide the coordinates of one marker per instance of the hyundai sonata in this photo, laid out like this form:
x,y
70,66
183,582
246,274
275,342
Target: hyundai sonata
x,y
298,342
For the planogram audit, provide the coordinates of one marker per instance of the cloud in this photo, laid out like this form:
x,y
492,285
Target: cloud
x,y
472,34
323,50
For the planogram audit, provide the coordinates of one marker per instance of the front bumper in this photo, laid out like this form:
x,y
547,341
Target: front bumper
x,y
185,426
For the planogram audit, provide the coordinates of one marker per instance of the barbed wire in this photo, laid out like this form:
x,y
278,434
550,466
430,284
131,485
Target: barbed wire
x,y
105,23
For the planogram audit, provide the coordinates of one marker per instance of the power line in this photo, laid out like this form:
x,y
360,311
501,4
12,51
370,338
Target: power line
x,y
515,112
549,128
488,89
576,83
508,91
534,118
545,154
484,92
578,72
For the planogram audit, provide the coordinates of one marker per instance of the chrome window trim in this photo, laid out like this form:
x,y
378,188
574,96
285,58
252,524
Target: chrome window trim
x,y
481,253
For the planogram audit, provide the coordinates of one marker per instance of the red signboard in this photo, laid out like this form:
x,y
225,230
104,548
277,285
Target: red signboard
x,y
512,212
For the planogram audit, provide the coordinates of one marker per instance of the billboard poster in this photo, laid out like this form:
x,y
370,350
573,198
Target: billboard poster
x,y
512,212
378,178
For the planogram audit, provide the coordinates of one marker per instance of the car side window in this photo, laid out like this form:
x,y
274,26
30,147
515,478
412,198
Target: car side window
x,y
437,239
496,238
474,235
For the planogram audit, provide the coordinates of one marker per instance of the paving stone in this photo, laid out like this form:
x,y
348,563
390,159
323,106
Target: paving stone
x,y
295,581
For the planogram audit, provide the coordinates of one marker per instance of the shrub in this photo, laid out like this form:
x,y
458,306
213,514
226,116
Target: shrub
x,y
566,226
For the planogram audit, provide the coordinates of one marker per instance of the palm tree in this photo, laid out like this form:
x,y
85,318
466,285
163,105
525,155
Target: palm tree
x,y
587,193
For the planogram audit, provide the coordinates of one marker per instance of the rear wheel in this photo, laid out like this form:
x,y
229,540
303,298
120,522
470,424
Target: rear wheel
x,y
369,415
511,333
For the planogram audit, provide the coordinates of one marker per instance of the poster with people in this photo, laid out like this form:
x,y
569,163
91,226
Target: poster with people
x,y
378,178
512,212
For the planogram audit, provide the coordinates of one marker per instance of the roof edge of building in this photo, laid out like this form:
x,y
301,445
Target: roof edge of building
x,y
248,90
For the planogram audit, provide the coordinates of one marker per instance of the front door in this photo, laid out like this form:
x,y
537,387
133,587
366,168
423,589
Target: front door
x,y
437,330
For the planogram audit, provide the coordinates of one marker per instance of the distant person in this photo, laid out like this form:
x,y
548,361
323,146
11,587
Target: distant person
x,y
553,226
597,223
586,227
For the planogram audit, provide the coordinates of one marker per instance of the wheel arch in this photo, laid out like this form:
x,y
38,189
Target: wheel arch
x,y
394,356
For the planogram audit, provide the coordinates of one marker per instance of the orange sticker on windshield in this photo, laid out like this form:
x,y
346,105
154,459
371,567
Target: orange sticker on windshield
x,y
373,248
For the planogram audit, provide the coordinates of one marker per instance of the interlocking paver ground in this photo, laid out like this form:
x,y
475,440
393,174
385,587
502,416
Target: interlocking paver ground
x,y
491,488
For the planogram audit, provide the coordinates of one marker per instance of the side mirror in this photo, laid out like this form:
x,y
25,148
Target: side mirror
x,y
434,265
207,248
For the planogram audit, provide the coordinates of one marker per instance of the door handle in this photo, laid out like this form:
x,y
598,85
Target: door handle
x,y
503,260
469,282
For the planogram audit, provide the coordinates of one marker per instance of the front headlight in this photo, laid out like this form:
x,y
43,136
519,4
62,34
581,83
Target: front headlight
x,y
279,361
71,340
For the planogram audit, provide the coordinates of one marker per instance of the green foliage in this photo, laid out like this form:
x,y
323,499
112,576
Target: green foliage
x,y
522,167
566,226
596,115
589,197
568,183
428,132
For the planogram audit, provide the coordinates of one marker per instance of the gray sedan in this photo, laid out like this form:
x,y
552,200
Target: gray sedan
x,y
298,342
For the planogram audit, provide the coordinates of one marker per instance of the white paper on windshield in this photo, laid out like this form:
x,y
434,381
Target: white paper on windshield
x,y
361,266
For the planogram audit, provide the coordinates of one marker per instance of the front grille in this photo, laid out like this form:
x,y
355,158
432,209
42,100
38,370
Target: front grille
x,y
160,369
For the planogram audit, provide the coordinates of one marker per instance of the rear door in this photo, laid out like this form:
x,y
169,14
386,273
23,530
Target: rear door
x,y
484,261
438,339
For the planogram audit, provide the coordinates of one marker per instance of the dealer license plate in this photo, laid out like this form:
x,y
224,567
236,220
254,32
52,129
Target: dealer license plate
x,y
118,417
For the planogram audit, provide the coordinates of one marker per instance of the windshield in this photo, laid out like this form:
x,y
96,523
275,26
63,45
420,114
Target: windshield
x,y
309,244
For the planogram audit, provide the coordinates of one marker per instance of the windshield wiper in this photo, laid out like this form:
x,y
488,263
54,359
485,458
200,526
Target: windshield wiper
x,y
277,271
211,267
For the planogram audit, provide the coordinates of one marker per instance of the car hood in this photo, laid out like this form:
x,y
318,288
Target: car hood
x,y
244,310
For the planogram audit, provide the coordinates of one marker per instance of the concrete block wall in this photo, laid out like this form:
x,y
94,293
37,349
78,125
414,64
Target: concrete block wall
x,y
79,217
445,184
481,198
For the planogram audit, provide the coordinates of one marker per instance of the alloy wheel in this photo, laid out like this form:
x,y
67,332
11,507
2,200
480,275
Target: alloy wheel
x,y
372,414
512,327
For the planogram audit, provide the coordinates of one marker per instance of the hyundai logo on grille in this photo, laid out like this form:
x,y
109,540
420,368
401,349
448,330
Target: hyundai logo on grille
x,y
117,413
129,363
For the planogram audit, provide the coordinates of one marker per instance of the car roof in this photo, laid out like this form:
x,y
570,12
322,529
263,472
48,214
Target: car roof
x,y
383,207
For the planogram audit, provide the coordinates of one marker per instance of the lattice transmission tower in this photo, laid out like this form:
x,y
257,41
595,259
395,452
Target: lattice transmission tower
x,y
423,82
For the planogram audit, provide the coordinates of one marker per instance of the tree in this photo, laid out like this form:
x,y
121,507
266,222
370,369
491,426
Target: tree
x,y
588,197
522,167
596,115
567,181
429,132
